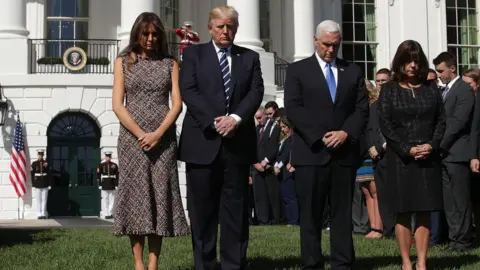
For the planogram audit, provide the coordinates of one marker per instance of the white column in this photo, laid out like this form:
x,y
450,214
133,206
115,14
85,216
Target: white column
x,y
13,19
304,27
130,9
13,34
248,34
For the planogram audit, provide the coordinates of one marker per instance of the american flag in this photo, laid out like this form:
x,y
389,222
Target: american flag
x,y
18,162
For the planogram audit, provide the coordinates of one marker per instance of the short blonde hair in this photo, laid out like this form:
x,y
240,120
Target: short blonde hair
x,y
221,12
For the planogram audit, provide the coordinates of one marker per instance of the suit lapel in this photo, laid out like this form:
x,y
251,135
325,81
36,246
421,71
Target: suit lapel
x,y
454,86
215,74
340,78
236,66
317,71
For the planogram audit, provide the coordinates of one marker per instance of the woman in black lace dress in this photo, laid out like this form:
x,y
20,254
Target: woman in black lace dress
x,y
412,119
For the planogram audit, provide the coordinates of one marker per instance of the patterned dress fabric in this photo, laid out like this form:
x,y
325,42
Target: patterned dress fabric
x,y
148,198
408,118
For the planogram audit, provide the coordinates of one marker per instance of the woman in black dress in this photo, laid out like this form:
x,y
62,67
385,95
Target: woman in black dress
x,y
412,119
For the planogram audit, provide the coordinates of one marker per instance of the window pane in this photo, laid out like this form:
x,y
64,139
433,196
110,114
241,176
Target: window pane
x,y
359,13
371,52
450,3
347,52
53,30
451,16
370,74
461,3
462,17
348,31
68,8
54,8
451,35
462,35
360,32
81,8
471,4
81,30
359,53
66,30
347,13
472,17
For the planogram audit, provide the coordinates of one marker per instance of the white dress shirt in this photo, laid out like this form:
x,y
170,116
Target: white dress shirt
x,y
323,66
229,60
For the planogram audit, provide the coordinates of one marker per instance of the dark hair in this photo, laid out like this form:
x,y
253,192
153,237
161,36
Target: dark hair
x,y
279,113
384,71
409,51
133,48
446,57
271,104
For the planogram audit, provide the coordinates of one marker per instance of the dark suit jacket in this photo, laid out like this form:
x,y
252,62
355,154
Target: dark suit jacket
x,y
475,133
459,105
268,144
202,89
284,156
374,135
310,108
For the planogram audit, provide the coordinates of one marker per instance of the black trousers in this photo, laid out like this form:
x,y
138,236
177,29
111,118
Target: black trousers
x,y
268,198
457,203
218,194
388,217
314,184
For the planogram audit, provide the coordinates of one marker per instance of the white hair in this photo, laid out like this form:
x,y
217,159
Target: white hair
x,y
328,26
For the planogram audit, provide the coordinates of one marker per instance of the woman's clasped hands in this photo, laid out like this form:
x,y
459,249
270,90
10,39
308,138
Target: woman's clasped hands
x,y
421,151
149,140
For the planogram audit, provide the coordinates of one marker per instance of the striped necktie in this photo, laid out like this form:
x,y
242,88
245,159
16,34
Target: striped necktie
x,y
227,82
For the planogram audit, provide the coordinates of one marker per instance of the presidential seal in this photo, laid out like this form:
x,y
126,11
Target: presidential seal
x,y
75,58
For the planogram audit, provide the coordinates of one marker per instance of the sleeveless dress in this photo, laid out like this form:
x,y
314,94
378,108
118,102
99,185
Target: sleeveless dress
x,y
148,198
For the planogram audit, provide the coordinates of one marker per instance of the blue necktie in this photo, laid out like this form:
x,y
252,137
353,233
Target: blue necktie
x,y
445,92
227,82
332,85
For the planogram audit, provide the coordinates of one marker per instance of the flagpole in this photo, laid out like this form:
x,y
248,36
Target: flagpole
x,y
18,198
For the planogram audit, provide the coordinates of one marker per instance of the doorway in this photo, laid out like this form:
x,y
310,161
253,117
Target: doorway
x,y
73,153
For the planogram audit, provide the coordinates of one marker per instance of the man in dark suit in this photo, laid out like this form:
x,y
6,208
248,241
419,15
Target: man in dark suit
x,y
459,103
268,200
222,88
327,102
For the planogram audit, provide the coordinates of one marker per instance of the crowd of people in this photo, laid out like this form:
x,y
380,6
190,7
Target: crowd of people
x,y
406,149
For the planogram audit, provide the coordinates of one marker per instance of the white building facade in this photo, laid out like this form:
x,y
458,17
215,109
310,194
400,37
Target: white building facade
x,y
69,113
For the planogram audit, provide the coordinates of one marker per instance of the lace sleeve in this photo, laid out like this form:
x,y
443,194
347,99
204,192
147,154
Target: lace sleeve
x,y
387,125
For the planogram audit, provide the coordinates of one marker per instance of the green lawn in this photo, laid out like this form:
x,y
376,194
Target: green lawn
x,y
270,248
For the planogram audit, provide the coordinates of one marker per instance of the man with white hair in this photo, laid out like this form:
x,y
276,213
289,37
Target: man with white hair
x,y
327,103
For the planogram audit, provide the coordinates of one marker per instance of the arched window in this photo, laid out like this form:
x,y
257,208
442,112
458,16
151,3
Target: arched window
x,y
67,20
73,125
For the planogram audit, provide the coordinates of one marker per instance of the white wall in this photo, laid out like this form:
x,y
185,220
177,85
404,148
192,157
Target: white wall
x,y
38,99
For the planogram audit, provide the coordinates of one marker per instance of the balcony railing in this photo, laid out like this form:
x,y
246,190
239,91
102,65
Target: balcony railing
x,y
280,71
46,55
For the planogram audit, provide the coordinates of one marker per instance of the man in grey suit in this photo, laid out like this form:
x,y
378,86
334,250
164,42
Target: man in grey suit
x,y
459,102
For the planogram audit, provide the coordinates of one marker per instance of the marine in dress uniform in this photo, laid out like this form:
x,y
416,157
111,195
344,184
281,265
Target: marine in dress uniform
x,y
187,36
107,175
41,182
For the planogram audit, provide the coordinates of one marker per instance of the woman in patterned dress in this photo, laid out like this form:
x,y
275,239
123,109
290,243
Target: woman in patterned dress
x,y
148,202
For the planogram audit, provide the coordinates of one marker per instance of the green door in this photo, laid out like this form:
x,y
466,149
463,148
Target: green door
x,y
73,161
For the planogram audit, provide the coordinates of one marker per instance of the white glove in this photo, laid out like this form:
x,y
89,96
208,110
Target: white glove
x,y
49,188
100,188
